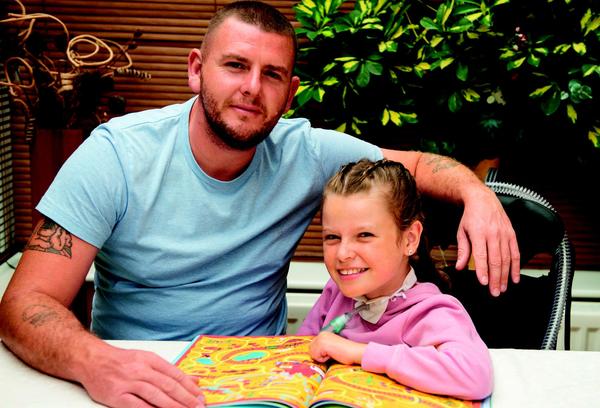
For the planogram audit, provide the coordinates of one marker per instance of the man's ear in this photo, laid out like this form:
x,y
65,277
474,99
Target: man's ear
x,y
294,84
194,67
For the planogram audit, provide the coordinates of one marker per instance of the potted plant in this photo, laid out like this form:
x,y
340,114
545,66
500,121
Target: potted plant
x,y
58,79
469,79
61,84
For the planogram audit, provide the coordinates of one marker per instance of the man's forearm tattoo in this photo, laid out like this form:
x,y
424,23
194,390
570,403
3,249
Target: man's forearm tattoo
x,y
37,315
51,237
441,163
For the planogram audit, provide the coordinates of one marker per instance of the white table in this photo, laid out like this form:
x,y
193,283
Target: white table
x,y
523,379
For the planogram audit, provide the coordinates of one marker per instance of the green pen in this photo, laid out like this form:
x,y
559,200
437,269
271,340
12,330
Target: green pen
x,y
337,324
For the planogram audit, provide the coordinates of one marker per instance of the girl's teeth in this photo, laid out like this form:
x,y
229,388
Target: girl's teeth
x,y
351,271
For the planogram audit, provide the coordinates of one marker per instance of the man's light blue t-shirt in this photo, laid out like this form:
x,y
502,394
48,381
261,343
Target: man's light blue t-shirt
x,y
182,253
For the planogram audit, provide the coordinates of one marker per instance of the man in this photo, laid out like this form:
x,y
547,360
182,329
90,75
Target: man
x,y
191,214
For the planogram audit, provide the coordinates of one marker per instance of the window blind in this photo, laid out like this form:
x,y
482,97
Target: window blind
x,y
7,216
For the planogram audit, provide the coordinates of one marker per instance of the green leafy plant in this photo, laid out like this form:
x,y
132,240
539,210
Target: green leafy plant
x,y
467,78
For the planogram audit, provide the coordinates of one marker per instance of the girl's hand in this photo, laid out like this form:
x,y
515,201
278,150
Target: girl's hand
x,y
328,345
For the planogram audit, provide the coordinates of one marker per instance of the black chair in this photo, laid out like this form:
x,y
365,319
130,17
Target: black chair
x,y
529,314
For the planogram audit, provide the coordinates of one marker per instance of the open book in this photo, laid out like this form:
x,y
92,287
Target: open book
x,y
277,371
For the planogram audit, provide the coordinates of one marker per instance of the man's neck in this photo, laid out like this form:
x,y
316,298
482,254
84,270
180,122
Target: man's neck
x,y
216,160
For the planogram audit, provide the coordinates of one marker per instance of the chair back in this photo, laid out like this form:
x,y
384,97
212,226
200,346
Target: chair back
x,y
529,314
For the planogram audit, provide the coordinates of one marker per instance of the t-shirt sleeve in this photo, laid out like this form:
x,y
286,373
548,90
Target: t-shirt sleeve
x,y
88,195
335,149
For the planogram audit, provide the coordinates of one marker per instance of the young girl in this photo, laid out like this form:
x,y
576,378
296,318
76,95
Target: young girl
x,y
409,330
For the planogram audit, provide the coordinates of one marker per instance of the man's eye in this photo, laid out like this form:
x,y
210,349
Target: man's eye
x,y
235,65
273,74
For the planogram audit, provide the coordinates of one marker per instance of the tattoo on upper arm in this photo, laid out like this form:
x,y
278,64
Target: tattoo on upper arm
x,y
441,162
37,315
51,237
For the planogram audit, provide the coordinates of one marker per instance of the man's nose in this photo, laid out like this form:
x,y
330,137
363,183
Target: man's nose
x,y
252,83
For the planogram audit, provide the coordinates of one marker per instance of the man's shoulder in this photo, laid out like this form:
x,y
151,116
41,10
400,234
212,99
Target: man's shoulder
x,y
147,117
299,126
291,125
151,115
301,131
149,127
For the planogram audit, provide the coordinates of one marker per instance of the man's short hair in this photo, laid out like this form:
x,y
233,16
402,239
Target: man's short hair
x,y
256,13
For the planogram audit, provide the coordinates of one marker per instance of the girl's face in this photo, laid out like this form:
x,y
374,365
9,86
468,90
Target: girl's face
x,y
365,251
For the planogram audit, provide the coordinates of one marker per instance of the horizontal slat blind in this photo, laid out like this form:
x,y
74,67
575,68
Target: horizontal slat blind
x,y
7,217
170,29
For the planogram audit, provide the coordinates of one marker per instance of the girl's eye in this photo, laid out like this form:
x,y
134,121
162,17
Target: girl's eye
x,y
330,237
365,235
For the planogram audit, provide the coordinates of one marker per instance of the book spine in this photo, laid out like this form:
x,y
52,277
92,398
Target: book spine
x,y
185,350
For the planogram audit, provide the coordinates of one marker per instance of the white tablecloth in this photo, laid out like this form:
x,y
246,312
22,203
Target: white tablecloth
x,y
523,379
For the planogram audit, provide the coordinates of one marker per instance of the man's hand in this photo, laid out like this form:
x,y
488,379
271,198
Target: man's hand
x,y
484,229
328,345
134,378
486,232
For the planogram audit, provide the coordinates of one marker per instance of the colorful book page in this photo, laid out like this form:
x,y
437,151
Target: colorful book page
x,y
253,371
353,387
277,371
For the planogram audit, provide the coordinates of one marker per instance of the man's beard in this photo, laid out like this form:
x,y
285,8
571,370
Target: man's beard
x,y
225,134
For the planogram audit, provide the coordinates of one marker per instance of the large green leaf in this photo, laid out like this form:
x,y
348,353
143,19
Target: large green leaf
x,y
594,136
579,92
466,9
571,113
589,69
304,94
470,95
461,26
462,71
351,66
540,91
374,68
514,64
363,77
533,60
429,24
330,81
580,48
388,46
473,17
561,48
455,102
445,62
551,104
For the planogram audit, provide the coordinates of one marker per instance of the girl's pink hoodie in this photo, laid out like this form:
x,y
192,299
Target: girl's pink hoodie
x,y
425,340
